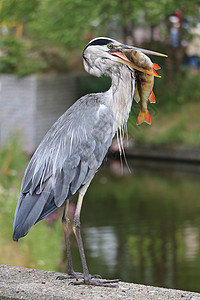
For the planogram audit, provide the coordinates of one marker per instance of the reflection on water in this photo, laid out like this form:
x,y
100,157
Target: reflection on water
x,y
102,242
191,241
143,227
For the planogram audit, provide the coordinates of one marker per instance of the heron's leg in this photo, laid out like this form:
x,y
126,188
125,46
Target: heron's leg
x,y
66,229
65,224
88,279
77,232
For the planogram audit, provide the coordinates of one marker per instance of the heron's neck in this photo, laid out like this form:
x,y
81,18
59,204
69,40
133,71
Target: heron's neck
x,y
120,95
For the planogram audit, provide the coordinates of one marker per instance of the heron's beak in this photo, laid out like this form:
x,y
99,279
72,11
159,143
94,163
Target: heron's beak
x,y
118,51
145,51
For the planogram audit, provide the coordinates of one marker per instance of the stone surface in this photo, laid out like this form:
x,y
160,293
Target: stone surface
x,y
23,283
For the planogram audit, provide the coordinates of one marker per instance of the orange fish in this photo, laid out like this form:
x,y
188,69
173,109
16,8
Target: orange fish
x,y
144,84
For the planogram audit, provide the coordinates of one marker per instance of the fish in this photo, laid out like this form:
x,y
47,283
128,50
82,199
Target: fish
x,y
144,84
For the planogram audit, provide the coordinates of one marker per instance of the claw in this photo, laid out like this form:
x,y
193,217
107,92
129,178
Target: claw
x,y
77,275
70,276
96,276
93,281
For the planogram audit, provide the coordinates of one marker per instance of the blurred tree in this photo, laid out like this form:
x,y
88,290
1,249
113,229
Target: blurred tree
x,y
69,22
73,23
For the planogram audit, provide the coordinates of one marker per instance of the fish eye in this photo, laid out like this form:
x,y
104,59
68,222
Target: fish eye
x,y
110,46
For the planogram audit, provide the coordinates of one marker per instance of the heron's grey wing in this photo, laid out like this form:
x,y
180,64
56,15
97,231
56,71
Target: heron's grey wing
x,y
89,144
67,158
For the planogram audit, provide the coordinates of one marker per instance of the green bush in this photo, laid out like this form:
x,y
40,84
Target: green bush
x,y
186,88
12,54
15,58
12,162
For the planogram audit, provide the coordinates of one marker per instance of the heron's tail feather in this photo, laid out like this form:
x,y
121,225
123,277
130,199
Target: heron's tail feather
x,y
29,210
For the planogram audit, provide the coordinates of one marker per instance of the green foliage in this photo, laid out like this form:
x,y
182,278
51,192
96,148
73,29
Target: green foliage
x,y
66,22
12,161
18,10
14,58
157,11
173,136
12,54
12,164
90,84
185,88
22,57
71,24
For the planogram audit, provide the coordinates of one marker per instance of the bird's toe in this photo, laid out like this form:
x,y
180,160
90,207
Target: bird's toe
x,y
70,276
95,281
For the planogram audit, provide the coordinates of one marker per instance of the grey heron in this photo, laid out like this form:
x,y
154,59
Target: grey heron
x,y
75,147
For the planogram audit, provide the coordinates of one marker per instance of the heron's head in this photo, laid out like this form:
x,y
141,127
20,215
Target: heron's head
x,y
103,55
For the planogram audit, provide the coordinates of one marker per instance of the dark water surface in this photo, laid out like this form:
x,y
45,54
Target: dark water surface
x,y
143,227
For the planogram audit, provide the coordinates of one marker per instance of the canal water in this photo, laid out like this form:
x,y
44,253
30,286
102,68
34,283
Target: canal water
x,y
142,227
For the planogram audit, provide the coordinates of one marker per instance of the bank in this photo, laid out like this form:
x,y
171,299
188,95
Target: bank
x,y
31,284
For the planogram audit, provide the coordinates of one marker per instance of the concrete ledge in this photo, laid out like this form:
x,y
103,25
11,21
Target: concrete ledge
x,y
23,283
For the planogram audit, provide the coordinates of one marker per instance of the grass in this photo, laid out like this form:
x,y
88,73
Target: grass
x,y
180,127
12,165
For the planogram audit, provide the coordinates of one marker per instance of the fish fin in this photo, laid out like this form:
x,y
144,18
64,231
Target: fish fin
x,y
155,74
136,95
156,67
143,116
152,98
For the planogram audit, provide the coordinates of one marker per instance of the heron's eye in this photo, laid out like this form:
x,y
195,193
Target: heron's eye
x,y
110,46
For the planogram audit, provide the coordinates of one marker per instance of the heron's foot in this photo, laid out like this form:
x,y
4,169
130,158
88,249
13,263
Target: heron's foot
x,y
96,281
76,275
70,276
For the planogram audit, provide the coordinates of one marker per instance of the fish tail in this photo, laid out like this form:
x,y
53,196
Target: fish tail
x,y
152,98
156,67
143,116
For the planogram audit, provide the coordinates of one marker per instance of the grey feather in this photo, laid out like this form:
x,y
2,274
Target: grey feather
x,y
30,206
78,180
89,176
58,188
37,178
67,158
